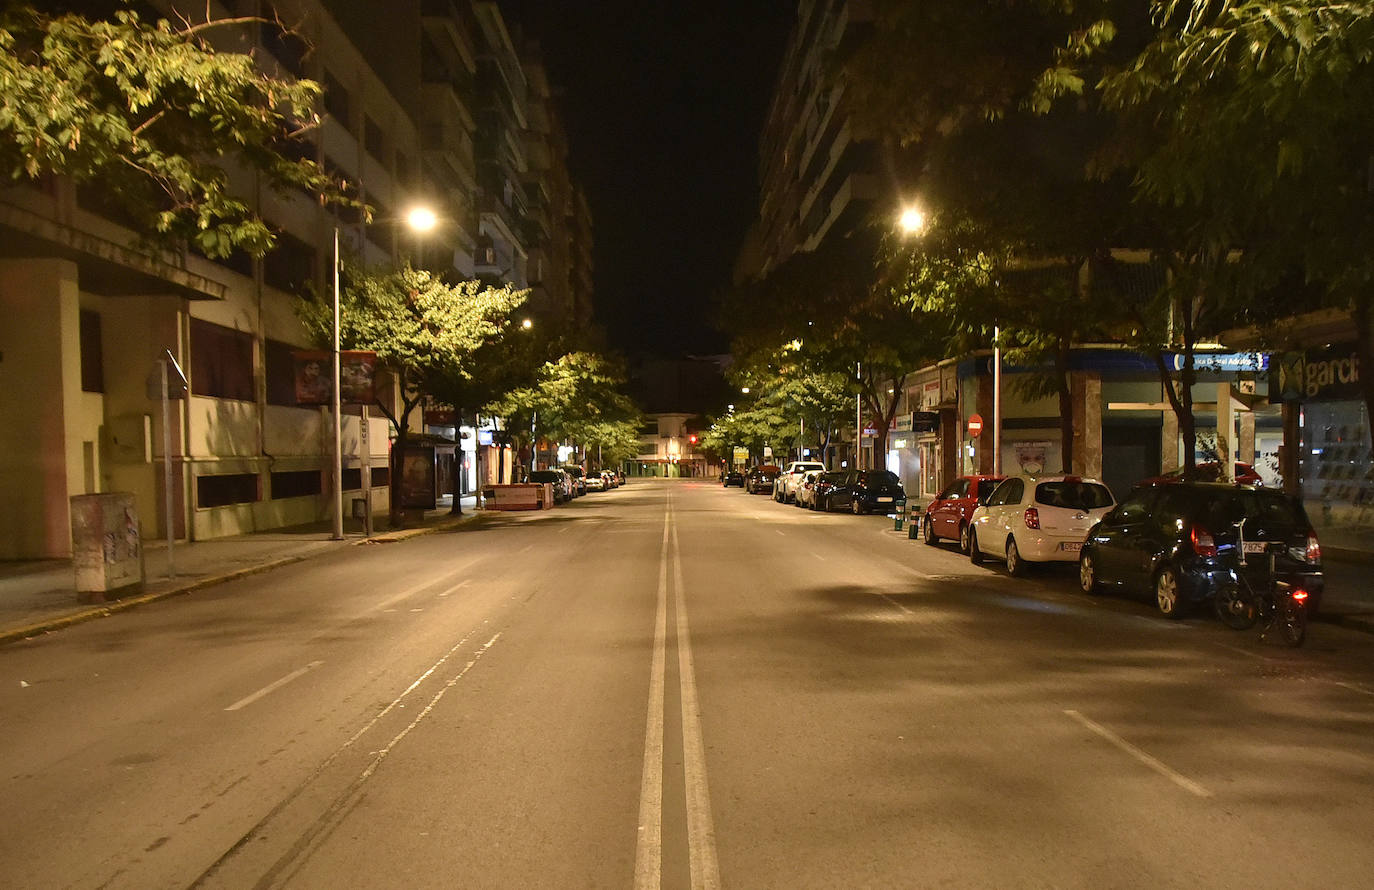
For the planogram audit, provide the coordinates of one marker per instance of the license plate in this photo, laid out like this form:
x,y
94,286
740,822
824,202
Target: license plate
x,y
1252,546
884,500
1071,546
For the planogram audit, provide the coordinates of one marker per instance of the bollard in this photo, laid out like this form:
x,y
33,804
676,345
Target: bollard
x,y
899,516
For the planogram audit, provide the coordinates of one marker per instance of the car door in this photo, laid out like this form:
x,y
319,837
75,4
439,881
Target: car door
x,y
989,522
1007,512
944,512
1124,537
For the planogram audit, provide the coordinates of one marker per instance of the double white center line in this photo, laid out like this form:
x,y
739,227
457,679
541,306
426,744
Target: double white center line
x,y
701,844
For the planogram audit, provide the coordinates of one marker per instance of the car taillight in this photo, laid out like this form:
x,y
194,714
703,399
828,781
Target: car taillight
x,y
1314,547
1032,517
1203,545
1299,594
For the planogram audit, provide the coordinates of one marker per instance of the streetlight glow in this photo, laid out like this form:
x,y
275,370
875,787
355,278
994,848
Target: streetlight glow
x,y
912,220
744,389
421,219
527,324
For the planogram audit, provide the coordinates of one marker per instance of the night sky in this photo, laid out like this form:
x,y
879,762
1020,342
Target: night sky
x,y
663,103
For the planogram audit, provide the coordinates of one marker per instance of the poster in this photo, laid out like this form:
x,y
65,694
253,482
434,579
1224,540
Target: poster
x,y
357,372
417,477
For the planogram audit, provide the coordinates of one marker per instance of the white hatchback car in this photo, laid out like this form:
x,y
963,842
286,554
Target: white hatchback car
x,y
1030,519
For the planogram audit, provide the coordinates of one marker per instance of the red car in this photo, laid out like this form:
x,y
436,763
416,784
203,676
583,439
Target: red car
x,y
1210,472
948,515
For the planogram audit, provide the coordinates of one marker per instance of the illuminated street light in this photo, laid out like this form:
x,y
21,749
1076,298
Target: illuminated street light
x,y
421,219
527,324
744,389
912,220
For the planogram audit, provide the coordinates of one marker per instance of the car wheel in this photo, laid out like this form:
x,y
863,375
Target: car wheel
x,y
964,532
975,555
928,532
1168,597
1016,566
1087,574
856,506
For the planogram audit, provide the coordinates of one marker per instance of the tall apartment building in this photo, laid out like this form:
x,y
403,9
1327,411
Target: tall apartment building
x,y
90,314
816,178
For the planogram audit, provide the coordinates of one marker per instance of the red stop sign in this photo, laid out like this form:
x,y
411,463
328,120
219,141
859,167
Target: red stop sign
x,y
975,425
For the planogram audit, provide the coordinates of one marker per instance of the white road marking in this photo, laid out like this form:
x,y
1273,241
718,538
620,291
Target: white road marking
x,y
273,687
457,587
385,605
1245,652
564,529
1153,763
701,832
780,531
649,849
897,604
1353,687
818,556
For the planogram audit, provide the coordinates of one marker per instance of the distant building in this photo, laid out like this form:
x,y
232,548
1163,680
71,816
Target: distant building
x,y
668,446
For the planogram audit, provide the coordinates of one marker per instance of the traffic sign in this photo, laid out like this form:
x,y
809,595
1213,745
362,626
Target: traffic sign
x,y
975,425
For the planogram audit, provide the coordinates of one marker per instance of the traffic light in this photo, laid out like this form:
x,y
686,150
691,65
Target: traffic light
x,y
692,438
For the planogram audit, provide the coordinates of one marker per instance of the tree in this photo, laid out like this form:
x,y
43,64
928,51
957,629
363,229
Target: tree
x,y
424,330
1017,218
577,396
807,400
157,116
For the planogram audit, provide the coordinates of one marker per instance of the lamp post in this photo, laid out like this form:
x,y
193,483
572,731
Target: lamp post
x,y
420,220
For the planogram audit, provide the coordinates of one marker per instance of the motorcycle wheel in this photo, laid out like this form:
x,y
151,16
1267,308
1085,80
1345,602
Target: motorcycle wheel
x,y
1234,609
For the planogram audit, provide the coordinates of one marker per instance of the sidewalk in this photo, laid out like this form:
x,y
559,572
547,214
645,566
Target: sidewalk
x,y
40,596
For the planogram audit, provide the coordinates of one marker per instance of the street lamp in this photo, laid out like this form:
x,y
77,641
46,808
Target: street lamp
x,y
912,220
419,219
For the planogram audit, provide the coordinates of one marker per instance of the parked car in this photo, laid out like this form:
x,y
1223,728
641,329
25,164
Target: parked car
x,y
760,479
862,491
785,486
1029,519
579,479
559,480
612,480
596,482
1245,474
806,489
821,487
948,515
732,477
1176,542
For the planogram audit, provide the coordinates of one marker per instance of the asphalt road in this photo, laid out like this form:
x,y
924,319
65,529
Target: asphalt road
x,y
678,685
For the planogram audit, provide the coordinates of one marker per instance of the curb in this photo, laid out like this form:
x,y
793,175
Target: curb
x,y
104,610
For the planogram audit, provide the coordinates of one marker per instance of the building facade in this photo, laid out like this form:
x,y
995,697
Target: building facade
x,y
428,110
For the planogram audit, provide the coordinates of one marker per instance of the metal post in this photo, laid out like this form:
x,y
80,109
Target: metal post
x,y
336,472
365,469
997,401
858,419
168,500
534,442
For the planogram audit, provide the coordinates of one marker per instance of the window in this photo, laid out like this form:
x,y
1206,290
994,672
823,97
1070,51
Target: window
x,y
280,371
92,356
296,484
221,362
986,487
229,488
290,265
1073,495
352,479
286,47
373,139
336,100
381,476
1135,507
956,489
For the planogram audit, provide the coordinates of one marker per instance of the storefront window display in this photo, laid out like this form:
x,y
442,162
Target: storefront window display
x,y
1337,473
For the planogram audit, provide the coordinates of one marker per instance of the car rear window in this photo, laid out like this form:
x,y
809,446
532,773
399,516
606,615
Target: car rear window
x,y
1073,495
882,477
835,477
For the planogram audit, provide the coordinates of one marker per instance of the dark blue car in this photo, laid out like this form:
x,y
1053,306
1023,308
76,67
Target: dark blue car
x,y
864,491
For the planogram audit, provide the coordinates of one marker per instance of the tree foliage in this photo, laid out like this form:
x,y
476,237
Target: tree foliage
x,y
157,116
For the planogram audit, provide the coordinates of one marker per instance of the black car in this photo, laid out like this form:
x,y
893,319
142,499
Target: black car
x,y
1177,542
732,477
760,479
579,481
862,491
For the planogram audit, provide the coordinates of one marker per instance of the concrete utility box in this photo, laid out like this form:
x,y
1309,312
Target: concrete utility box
x,y
107,545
